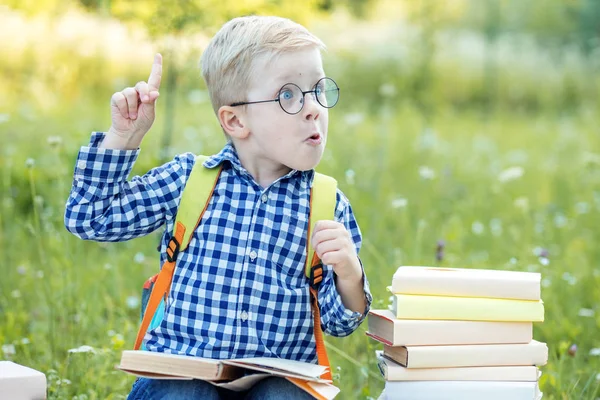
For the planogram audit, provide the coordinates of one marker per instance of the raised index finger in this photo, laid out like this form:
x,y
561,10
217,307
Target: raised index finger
x,y
156,73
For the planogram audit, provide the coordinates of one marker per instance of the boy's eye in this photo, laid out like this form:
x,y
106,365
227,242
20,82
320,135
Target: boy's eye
x,y
287,95
319,90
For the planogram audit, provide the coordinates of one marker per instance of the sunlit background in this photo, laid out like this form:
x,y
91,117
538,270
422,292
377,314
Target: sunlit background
x,y
466,136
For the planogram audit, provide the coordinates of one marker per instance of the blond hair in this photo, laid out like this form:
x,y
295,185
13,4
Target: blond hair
x,y
227,61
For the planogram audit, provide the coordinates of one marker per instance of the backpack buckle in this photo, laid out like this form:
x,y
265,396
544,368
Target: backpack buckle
x,y
172,250
316,276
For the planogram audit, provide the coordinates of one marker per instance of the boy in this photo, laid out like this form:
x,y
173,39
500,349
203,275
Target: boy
x,y
239,290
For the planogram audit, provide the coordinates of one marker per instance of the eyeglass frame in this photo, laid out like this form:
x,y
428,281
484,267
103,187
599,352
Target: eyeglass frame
x,y
243,103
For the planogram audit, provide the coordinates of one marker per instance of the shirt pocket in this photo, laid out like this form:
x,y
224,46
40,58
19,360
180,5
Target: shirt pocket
x,y
288,248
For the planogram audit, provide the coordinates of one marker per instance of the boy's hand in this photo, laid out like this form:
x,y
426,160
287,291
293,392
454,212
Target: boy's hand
x,y
334,246
133,109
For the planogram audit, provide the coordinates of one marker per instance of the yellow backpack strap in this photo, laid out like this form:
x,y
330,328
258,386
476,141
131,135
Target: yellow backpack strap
x,y
323,200
194,201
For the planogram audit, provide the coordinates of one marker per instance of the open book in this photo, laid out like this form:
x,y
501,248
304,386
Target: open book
x,y
235,374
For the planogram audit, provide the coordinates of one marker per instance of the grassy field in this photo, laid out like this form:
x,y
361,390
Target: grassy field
x,y
507,188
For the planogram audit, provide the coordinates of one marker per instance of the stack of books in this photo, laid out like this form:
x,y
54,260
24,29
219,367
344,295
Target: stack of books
x,y
460,334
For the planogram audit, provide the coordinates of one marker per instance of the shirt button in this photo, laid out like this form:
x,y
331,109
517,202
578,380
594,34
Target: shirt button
x,y
264,198
244,316
81,164
253,255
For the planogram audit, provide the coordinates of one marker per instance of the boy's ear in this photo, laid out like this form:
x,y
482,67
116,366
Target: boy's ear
x,y
232,121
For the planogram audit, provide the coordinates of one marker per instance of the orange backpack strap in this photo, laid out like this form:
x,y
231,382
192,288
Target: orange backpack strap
x,y
323,199
197,193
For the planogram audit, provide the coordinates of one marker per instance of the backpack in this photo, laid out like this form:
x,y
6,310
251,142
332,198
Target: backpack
x,y
196,196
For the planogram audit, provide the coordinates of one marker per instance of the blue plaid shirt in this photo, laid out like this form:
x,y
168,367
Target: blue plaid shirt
x,y
239,290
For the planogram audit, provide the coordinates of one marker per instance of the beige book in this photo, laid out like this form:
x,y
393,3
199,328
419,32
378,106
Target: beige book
x,y
477,355
235,374
393,371
18,382
384,327
467,282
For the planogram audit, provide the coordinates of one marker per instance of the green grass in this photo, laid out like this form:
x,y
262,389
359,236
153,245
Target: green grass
x,y
411,183
499,169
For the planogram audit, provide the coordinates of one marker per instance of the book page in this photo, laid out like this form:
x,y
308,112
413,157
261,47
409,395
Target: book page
x,y
295,367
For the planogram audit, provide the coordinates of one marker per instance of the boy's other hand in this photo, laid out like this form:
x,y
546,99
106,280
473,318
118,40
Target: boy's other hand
x,y
133,109
334,246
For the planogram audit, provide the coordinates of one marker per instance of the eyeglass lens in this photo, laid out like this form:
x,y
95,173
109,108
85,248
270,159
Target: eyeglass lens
x,y
291,98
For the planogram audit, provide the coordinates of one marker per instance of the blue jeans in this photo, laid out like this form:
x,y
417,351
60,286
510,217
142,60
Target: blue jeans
x,y
271,388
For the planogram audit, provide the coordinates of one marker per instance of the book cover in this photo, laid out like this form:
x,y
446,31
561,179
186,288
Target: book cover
x,y
20,382
467,282
410,306
464,390
478,355
236,374
386,328
393,371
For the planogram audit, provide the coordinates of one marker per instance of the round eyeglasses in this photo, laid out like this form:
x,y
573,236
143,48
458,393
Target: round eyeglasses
x,y
291,97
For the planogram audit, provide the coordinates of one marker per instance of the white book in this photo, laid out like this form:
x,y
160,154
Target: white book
x,y
463,282
463,390
18,382
393,371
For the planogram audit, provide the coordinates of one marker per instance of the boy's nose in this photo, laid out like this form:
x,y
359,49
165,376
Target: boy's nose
x,y
311,107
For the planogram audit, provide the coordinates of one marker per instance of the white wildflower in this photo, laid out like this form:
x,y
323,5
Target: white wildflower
x,y
522,203
30,163
197,96
426,173
546,282
25,341
350,174
38,201
570,279
139,257
582,207
399,202
595,351
354,118
477,228
133,302
586,312
510,174
54,141
9,350
83,349
387,90
560,221
544,261
496,226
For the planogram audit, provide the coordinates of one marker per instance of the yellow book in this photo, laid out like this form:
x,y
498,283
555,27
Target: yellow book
x,y
407,306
